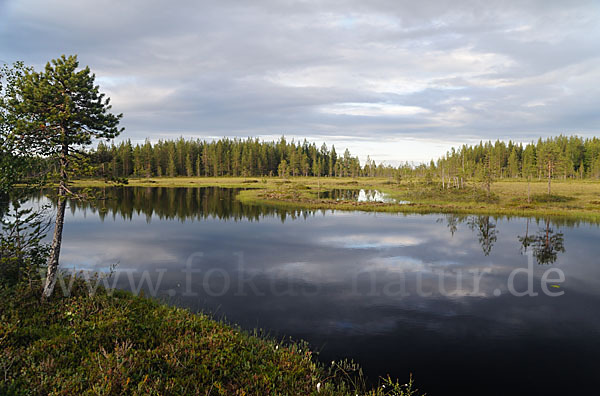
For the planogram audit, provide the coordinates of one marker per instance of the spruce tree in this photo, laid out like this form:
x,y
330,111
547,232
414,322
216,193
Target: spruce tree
x,y
189,169
171,168
283,169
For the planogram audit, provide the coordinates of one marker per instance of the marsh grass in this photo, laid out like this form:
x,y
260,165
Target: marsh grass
x,y
545,198
120,344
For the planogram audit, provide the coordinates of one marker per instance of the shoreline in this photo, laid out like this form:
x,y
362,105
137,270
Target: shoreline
x,y
573,200
120,343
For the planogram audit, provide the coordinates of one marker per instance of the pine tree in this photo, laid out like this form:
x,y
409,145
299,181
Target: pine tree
x,y
549,158
60,109
488,173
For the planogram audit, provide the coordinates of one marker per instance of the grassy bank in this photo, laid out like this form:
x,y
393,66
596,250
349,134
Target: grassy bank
x,y
569,199
127,345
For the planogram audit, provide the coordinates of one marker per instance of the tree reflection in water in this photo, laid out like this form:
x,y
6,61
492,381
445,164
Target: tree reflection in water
x,y
176,203
486,232
213,202
546,243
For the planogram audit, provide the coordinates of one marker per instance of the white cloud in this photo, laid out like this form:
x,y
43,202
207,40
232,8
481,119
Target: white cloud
x,y
372,109
370,241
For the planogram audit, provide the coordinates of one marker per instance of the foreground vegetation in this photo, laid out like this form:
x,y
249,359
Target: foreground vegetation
x,y
571,199
119,344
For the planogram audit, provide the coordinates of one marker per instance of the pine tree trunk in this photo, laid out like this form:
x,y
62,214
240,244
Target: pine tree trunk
x,y
549,178
58,228
56,243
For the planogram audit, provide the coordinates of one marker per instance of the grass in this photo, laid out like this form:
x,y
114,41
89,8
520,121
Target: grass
x,y
570,199
119,344
232,182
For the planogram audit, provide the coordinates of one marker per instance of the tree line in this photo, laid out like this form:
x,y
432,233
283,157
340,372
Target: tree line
x,y
559,157
223,157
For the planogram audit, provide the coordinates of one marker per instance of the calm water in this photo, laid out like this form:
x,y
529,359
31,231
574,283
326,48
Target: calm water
x,y
429,295
360,195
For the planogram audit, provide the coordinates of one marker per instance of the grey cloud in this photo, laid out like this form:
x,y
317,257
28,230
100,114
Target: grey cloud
x,y
441,70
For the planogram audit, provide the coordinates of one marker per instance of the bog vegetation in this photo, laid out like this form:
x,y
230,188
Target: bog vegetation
x,y
117,344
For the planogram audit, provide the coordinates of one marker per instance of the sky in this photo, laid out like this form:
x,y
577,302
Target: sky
x,y
397,80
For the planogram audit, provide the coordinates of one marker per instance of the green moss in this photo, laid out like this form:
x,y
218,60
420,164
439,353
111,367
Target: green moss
x,y
120,344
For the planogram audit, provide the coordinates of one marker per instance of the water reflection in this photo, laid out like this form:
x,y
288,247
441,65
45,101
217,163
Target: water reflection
x,y
361,195
486,232
220,203
398,293
546,243
174,203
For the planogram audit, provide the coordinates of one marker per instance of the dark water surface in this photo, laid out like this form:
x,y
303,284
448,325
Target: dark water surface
x,y
430,295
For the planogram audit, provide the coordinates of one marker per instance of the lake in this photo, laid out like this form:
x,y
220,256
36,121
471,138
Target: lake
x,y
474,305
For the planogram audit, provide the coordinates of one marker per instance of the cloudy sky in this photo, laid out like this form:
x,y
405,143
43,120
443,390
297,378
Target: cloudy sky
x,y
399,80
